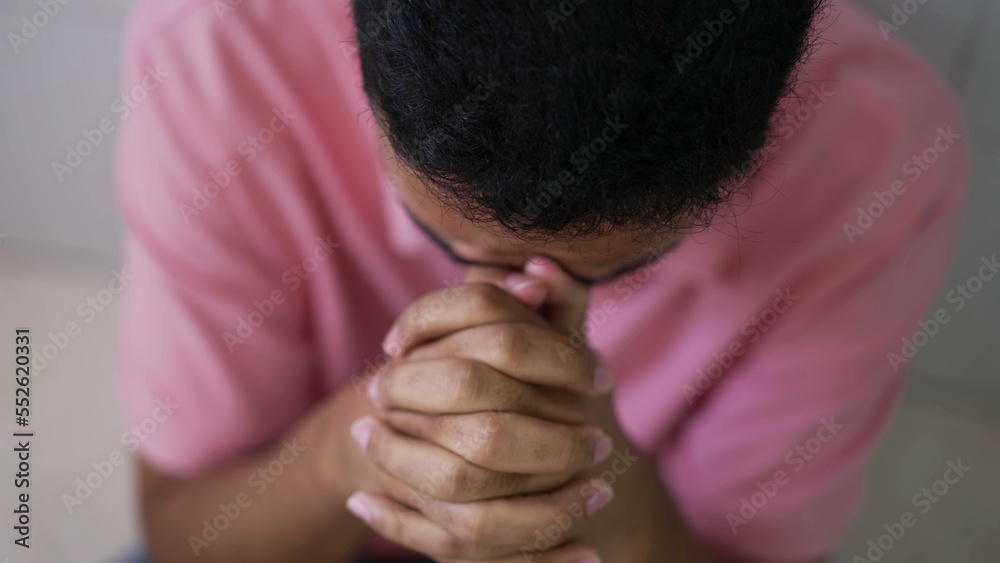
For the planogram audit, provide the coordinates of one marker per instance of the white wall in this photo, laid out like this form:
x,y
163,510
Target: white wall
x,y
60,82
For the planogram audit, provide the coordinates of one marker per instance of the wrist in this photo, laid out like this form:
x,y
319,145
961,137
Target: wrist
x,y
656,526
335,463
636,526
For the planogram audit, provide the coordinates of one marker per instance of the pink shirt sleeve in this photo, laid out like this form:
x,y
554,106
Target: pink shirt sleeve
x,y
770,465
206,248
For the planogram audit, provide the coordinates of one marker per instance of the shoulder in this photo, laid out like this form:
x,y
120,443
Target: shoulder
x,y
153,20
869,120
222,153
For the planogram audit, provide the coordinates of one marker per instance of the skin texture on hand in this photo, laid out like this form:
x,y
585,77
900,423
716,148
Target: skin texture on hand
x,y
486,436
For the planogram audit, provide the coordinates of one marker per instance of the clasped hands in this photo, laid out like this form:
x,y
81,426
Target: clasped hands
x,y
489,422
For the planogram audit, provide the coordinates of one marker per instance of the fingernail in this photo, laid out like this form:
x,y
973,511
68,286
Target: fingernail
x,y
361,431
601,496
539,264
358,507
519,281
602,445
390,345
604,378
373,391
528,289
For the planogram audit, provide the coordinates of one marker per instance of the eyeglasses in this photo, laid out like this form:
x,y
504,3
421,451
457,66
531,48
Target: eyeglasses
x,y
600,280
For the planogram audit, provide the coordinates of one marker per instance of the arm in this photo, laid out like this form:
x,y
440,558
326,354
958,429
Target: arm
x,y
201,265
653,529
647,525
298,515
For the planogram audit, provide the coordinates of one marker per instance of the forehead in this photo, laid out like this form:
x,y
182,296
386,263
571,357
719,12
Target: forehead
x,y
451,227
448,225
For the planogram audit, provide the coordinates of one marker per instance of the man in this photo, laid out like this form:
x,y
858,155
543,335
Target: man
x,y
539,281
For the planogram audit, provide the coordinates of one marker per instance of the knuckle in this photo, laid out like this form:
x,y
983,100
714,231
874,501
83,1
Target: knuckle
x,y
483,440
470,483
507,342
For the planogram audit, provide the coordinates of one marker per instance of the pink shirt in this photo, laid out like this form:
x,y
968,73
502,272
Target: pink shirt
x,y
753,363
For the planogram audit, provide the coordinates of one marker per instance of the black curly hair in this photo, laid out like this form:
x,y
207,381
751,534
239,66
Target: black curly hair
x,y
572,118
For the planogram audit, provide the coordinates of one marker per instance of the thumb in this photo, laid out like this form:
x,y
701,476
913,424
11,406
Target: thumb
x,y
567,300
